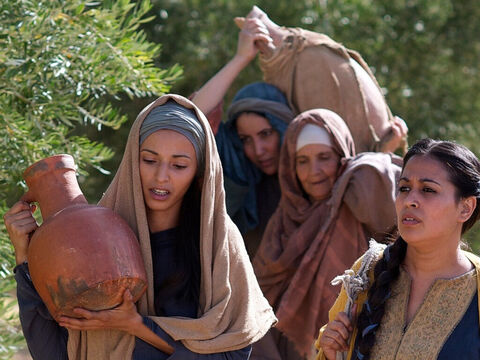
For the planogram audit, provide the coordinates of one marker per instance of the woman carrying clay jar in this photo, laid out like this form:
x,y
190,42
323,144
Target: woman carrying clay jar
x,y
168,187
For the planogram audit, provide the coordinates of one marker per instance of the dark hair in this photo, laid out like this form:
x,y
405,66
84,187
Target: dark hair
x,y
186,250
463,168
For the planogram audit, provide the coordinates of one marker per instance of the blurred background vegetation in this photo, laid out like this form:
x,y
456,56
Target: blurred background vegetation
x,y
74,74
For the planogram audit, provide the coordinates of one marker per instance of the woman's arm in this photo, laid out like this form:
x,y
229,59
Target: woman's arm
x,y
214,90
45,338
20,222
124,317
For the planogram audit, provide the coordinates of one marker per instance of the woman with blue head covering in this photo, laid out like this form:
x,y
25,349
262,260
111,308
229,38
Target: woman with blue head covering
x,y
249,141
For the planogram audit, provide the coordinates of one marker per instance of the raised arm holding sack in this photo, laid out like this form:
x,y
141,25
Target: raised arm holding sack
x,y
314,71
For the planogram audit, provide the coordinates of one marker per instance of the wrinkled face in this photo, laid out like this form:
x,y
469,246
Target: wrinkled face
x,y
428,210
317,166
168,165
261,142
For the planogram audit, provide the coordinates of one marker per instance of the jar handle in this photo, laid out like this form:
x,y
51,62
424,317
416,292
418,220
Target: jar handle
x,y
28,197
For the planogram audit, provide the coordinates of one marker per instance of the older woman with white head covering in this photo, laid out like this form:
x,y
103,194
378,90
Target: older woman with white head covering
x,y
332,202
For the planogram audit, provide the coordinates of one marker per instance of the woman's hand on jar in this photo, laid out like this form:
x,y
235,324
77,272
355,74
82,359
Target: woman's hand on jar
x,y
124,317
19,223
335,336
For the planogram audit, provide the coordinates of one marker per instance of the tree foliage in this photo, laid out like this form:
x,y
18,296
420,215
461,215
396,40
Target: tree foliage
x,y
63,65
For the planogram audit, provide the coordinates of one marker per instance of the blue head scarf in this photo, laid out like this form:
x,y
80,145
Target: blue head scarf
x,y
241,175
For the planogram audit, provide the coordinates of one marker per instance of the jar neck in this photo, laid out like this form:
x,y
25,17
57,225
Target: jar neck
x,y
52,183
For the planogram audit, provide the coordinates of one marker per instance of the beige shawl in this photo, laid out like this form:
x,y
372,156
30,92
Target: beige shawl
x,y
233,312
305,244
314,71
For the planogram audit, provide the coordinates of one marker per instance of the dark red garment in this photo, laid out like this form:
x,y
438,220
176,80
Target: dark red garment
x,y
305,244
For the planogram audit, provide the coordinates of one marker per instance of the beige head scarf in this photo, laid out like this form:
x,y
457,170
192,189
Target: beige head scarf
x,y
314,71
232,310
306,244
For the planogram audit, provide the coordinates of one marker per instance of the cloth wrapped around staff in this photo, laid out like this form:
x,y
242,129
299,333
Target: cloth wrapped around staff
x,y
356,283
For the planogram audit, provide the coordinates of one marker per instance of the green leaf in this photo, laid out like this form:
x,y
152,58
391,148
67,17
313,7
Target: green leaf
x,y
79,9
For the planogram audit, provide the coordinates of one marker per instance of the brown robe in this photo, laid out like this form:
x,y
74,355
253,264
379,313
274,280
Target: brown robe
x,y
306,244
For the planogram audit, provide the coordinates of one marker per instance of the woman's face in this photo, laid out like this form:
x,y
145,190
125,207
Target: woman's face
x,y
168,165
317,166
261,142
428,209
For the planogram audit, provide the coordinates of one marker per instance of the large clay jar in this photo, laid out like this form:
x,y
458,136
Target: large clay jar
x,y
82,255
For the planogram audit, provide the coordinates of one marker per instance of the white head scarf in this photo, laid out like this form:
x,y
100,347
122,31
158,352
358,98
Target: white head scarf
x,y
313,134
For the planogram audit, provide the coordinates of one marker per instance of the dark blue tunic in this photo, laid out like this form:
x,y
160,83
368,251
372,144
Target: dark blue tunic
x,y
464,342
47,340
